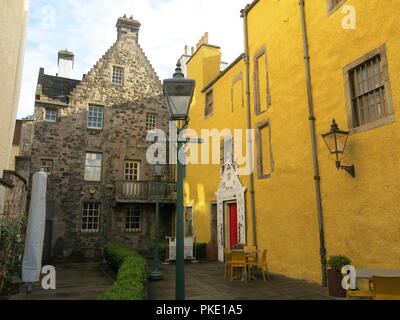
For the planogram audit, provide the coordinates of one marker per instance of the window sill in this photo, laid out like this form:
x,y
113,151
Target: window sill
x,y
372,125
335,8
95,129
208,116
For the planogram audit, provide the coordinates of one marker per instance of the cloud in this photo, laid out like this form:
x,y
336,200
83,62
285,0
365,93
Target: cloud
x,y
88,29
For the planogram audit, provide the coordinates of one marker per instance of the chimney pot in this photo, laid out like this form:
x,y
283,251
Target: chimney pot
x,y
65,63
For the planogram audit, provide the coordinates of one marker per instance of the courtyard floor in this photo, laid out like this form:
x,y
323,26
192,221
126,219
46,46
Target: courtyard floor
x,y
74,281
204,281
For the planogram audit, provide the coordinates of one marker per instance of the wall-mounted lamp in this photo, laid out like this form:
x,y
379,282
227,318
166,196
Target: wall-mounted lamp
x,y
336,140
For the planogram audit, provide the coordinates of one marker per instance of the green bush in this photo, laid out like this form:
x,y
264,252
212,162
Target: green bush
x,y
336,263
200,250
132,273
12,243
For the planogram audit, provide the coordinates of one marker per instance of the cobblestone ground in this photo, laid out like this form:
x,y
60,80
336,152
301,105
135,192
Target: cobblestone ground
x,y
205,281
74,281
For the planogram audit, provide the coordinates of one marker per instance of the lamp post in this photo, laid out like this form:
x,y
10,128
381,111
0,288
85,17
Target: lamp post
x,y
336,141
155,274
178,92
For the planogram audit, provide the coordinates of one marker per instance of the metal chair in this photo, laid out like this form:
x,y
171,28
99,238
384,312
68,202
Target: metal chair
x,y
262,264
238,261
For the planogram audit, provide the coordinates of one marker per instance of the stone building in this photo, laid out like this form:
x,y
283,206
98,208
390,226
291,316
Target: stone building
x,y
13,21
89,135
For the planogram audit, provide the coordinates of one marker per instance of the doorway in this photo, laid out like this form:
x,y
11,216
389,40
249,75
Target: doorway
x,y
231,225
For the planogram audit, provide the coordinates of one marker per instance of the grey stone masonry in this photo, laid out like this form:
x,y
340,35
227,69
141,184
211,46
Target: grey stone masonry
x,y
65,139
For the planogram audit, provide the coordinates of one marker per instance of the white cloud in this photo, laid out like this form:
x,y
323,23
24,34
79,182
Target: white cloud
x,y
88,29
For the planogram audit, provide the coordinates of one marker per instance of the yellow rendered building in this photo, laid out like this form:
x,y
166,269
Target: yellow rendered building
x,y
305,63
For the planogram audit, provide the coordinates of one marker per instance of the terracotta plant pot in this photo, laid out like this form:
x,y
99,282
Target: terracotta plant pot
x,y
335,284
212,254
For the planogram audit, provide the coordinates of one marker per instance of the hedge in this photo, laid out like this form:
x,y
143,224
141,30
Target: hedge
x,y
132,273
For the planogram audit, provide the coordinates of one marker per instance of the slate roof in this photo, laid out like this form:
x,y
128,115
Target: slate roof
x,y
56,87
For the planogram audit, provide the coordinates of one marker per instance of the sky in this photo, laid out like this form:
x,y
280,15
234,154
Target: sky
x,y
87,28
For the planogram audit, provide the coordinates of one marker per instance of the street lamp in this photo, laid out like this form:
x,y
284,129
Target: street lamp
x,y
178,92
336,141
155,274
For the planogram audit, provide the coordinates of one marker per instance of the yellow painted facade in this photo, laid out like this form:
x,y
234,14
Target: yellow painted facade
x,y
361,216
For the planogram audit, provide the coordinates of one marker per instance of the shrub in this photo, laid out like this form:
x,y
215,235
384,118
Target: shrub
x,y
336,263
132,273
12,244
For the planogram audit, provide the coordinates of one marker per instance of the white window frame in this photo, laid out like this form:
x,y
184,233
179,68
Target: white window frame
x,y
46,165
151,122
118,74
95,116
130,176
88,166
90,210
53,115
133,218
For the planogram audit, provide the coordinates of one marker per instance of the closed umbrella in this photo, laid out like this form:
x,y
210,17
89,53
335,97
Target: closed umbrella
x,y
32,262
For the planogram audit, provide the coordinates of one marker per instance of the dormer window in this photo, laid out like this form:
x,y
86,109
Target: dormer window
x,y
51,115
118,75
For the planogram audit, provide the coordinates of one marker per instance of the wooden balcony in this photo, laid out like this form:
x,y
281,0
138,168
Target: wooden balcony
x,y
145,192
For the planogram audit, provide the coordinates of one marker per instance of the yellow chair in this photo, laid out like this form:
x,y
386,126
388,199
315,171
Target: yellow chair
x,y
262,264
227,256
386,288
238,261
360,293
251,256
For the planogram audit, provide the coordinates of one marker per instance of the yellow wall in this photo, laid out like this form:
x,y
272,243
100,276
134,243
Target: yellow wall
x,y
361,215
13,16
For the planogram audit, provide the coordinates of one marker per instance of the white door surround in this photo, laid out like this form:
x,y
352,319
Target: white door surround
x,y
230,189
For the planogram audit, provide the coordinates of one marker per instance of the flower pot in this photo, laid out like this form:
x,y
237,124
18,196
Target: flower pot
x,y
212,254
335,284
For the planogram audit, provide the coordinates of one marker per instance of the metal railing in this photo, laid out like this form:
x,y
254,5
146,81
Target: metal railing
x,y
145,191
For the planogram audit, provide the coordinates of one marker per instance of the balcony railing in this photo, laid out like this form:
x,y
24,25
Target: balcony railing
x,y
144,191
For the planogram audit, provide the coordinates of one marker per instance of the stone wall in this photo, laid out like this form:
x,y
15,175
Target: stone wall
x,y
14,194
123,137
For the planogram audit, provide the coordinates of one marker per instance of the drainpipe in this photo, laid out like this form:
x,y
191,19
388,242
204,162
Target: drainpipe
x,y
317,177
244,13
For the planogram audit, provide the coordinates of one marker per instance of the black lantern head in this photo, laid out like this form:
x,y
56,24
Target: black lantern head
x,y
179,93
158,170
336,139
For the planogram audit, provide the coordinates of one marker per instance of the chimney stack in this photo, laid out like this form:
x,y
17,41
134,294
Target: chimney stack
x,y
128,28
65,63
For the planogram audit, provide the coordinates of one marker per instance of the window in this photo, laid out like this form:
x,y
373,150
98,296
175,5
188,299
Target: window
x,y
133,219
237,96
226,151
90,217
262,96
47,166
333,5
93,166
95,117
51,115
189,222
132,170
265,161
209,109
151,122
118,75
368,91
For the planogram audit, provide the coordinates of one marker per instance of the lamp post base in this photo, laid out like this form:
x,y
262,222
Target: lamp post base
x,y
155,276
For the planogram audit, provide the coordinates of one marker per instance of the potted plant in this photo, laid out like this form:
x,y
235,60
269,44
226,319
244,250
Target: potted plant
x,y
336,263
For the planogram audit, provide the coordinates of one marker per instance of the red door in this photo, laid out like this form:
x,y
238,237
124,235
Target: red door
x,y
233,224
